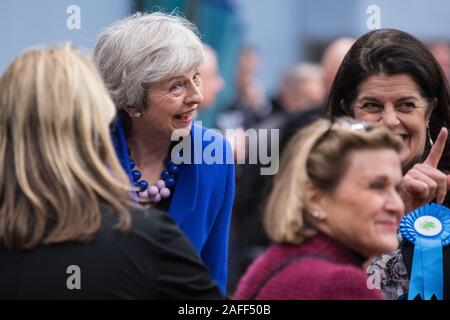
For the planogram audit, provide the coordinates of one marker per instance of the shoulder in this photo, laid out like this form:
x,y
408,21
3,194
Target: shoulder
x,y
347,282
330,280
149,227
153,224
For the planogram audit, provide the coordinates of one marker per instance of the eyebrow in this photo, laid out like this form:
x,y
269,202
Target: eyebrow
x,y
407,98
371,98
174,78
181,77
383,178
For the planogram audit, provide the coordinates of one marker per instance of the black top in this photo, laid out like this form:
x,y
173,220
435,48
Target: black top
x,y
153,260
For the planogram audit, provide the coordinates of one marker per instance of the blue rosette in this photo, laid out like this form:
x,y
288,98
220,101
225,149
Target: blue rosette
x,y
428,228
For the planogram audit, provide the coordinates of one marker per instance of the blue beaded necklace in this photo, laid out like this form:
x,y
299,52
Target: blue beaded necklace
x,y
162,188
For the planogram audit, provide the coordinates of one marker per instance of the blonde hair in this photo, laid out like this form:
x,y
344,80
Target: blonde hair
x,y
318,154
57,162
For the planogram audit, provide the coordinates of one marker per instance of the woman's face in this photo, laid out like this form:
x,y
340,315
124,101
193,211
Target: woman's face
x,y
396,102
364,210
172,103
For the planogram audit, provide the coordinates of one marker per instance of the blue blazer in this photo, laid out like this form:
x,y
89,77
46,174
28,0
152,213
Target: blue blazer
x,y
203,197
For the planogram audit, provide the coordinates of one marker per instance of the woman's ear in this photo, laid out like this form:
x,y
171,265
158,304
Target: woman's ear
x,y
315,201
433,106
132,112
346,108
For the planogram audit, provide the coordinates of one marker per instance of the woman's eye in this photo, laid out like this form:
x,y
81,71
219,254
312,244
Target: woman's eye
x,y
197,78
176,86
376,186
372,107
406,107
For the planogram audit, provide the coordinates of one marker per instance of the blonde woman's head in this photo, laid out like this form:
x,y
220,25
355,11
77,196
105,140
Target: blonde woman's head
x,y
341,179
56,157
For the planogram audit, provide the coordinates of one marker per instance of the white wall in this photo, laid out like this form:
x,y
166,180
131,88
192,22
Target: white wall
x,y
26,23
280,28
274,28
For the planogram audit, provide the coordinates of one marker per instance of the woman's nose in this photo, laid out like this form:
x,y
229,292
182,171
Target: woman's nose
x,y
194,94
395,204
390,118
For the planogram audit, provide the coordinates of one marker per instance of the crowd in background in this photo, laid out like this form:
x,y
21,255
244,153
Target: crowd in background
x,y
89,172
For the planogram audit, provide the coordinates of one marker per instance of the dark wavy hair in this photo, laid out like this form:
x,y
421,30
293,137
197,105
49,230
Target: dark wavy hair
x,y
390,52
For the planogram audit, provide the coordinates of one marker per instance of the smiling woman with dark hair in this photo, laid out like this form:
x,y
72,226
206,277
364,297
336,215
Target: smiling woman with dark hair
x,y
334,205
390,77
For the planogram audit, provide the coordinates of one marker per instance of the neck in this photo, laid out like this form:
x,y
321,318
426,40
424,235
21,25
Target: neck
x,y
356,254
148,149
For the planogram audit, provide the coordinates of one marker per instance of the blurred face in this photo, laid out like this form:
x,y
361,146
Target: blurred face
x,y
311,93
441,51
306,94
172,103
364,211
395,101
211,78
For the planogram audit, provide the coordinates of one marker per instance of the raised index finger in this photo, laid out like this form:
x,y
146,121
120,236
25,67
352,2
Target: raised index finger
x,y
438,148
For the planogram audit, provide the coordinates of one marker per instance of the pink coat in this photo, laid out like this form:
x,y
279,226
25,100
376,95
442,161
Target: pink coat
x,y
318,269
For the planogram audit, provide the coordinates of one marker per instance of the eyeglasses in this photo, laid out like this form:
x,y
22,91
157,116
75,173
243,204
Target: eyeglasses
x,y
344,123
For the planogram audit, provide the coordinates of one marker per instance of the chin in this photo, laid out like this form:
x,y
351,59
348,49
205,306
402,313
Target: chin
x,y
388,245
181,131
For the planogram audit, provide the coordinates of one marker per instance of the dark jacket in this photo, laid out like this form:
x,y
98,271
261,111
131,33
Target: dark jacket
x,y
153,260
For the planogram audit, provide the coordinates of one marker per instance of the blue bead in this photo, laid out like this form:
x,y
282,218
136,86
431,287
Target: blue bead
x,y
142,185
170,182
136,175
168,162
132,164
173,169
165,174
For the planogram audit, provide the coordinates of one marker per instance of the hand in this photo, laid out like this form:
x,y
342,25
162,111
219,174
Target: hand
x,y
424,182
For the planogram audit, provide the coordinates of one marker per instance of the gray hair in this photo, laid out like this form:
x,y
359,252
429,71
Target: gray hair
x,y
142,49
302,71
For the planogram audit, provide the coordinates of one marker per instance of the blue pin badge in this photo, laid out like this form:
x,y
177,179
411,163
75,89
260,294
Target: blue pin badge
x,y
428,228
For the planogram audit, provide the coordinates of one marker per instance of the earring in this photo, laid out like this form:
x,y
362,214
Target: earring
x,y
137,114
429,136
317,215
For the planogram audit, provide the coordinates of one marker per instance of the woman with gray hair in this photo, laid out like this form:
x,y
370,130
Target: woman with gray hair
x,y
150,65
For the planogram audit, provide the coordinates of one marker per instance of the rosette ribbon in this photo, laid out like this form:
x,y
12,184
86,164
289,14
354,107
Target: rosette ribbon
x,y
428,228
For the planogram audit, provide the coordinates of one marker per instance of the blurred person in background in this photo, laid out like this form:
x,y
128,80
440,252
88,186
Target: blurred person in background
x,y
249,237
251,103
211,78
334,205
441,51
301,89
331,60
